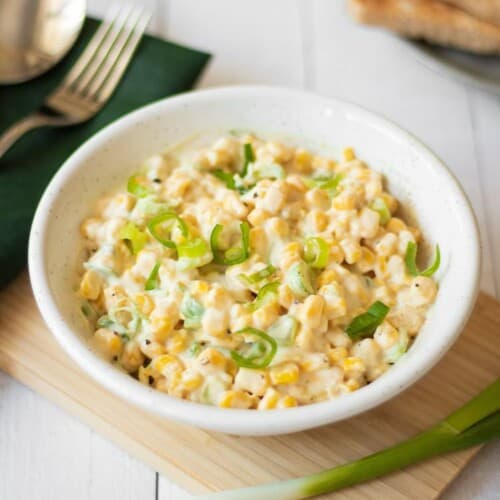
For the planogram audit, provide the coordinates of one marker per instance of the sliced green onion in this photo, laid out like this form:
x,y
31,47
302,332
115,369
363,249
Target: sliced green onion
x,y
234,255
267,294
328,183
252,279
298,278
153,282
365,324
193,253
380,206
316,252
478,421
161,233
271,171
434,266
397,350
248,157
411,261
225,177
230,181
192,248
137,189
192,311
150,207
105,322
258,354
102,270
86,311
284,330
134,237
110,321
194,349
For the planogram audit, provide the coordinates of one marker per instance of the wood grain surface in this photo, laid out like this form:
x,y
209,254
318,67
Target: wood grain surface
x,y
203,461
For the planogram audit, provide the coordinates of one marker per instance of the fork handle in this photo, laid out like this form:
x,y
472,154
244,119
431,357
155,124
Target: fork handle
x,y
30,122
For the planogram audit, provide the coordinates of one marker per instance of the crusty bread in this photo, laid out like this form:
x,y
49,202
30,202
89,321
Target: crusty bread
x,y
431,20
487,10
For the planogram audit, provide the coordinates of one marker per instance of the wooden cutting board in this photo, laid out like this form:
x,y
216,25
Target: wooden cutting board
x,y
202,461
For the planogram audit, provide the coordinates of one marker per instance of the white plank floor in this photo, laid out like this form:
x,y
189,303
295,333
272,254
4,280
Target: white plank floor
x,y
46,454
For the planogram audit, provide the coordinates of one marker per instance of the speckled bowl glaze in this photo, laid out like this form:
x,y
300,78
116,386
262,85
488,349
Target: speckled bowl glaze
x,y
414,174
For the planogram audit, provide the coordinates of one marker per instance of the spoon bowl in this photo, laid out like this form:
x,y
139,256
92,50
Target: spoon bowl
x,y
35,35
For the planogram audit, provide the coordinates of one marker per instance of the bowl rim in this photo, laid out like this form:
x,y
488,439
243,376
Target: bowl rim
x,y
239,421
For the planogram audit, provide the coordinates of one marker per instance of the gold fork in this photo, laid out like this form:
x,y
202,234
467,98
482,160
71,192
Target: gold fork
x,y
92,79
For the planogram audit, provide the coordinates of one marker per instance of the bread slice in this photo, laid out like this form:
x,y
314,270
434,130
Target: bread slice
x,y
431,20
487,10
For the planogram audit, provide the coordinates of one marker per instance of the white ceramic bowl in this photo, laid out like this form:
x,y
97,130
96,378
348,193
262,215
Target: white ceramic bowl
x,y
415,176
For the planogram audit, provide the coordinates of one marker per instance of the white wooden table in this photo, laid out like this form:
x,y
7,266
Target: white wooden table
x,y
46,454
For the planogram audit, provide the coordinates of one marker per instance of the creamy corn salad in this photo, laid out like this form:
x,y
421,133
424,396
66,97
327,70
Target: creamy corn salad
x,y
253,274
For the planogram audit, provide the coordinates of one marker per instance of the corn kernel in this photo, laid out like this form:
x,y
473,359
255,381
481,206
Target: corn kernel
x,y
144,303
287,402
303,160
349,154
258,240
352,384
90,286
151,348
89,228
395,225
353,366
314,361
381,266
132,357
258,216
311,311
177,343
212,357
161,326
218,297
115,296
326,277
278,226
266,315
318,220
367,261
318,198
270,399
235,399
390,201
337,354
304,338
352,250
285,296
254,381
109,342
289,255
191,380
146,375
286,373
200,288
167,364
322,163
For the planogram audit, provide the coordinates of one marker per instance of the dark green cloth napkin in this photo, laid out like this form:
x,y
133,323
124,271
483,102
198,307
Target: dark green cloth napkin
x,y
158,69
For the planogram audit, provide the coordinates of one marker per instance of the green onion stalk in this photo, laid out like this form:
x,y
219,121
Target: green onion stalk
x,y
474,423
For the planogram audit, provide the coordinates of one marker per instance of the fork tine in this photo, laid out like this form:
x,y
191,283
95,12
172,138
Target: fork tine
x,y
103,50
91,48
114,54
124,59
